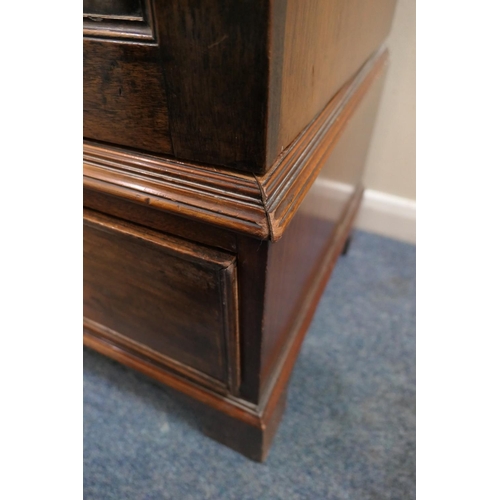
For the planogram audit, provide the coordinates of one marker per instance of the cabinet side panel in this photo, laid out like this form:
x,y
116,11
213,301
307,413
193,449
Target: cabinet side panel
x,y
325,43
296,259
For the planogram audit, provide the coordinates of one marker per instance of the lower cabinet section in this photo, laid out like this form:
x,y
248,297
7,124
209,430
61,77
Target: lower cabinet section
x,y
168,299
169,308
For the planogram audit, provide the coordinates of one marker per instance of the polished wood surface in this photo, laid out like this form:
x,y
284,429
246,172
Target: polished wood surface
x,y
287,182
308,236
165,222
325,43
124,100
159,293
227,199
215,59
230,83
258,206
206,279
236,421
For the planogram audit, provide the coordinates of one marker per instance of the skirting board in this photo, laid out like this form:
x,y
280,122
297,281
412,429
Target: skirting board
x,y
380,213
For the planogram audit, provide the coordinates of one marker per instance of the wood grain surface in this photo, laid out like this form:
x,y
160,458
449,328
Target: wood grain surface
x,y
216,68
206,278
230,83
258,206
123,99
171,297
325,43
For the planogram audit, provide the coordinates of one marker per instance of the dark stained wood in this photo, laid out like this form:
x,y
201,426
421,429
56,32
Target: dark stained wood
x,y
253,441
258,206
229,83
301,249
113,8
252,269
235,422
206,194
206,279
165,222
216,70
123,97
162,294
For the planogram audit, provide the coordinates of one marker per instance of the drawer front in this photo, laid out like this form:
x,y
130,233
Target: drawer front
x,y
124,95
124,100
172,301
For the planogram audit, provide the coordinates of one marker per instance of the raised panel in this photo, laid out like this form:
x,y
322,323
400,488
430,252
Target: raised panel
x,y
229,82
123,95
170,300
120,19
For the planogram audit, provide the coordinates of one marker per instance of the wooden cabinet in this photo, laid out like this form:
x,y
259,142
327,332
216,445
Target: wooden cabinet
x,y
223,154
224,82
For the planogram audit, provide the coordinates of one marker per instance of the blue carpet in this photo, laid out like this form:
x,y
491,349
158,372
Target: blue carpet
x,y
349,428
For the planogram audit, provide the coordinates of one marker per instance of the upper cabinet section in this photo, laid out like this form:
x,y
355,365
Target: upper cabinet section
x,y
226,82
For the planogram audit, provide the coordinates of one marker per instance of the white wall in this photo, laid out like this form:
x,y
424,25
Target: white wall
x,y
390,165
389,206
